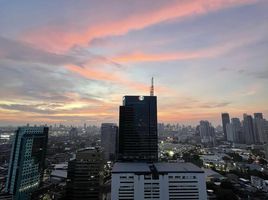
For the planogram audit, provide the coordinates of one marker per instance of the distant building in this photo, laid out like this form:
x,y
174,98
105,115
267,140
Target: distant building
x,y
207,132
27,161
230,132
109,140
258,115
73,133
250,137
84,175
259,128
234,131
225,120
138,129
160,181
238,131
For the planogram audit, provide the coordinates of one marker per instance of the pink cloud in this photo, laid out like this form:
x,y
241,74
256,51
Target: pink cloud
x,y
55,39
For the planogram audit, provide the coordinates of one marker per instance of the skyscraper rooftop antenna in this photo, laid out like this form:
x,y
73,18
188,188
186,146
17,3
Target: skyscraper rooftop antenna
x,y
152,88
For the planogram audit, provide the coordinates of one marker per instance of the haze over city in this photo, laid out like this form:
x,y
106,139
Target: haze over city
x,y
71,63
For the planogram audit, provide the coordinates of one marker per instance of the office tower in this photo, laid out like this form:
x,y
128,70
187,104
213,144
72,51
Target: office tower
x,y
160,181
73,133
109,140
138,129
258,115
230,132
84,175
238,132
27,161
207,132
225,120
259,125
250,137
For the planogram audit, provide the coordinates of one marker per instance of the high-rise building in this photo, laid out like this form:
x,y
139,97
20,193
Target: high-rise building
x,y
230,132
27,161
234,131
138,129
84,175
143,177
207,132
225,120
73,133
109,140
259,125
238,132
160,181
258,115
250,137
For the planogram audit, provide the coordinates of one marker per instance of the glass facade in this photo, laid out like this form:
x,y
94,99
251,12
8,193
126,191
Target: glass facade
x,y
27,161
138,129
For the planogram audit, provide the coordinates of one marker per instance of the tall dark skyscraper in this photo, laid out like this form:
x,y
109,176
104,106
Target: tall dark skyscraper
x,y
225,120
27,161
138,129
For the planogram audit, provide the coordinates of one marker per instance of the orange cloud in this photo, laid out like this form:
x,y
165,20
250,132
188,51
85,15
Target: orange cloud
x,y
144,57
55,39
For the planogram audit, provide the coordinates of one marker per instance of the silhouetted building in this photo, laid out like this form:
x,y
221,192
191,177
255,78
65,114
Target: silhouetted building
x,y
225,120
138,129
250,137
27,161
109,140
84,175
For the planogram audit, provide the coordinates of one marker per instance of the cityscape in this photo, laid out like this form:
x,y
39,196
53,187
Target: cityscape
x,y
134,100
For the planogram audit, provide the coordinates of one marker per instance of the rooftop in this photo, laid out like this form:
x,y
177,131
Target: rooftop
x,y
121,167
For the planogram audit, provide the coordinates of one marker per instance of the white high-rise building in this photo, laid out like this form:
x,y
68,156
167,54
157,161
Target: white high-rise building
x,y
158,181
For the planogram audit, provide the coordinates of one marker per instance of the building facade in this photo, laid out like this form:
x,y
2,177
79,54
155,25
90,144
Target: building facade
x,y
84,175
138,139
109,140
225,120
27,161
248,126
158,181
207,133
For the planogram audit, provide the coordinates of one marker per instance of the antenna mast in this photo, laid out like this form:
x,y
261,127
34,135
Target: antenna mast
x,y
152,88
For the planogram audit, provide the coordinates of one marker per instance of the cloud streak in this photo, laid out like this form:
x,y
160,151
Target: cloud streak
x,y
54,39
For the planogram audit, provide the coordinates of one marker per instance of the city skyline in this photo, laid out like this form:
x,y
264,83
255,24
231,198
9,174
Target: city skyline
x,y
68,62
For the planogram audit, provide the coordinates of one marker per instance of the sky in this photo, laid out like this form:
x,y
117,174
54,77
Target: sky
x,y
71,62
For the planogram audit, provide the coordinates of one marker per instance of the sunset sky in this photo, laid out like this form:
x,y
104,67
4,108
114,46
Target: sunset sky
x,y
72,61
